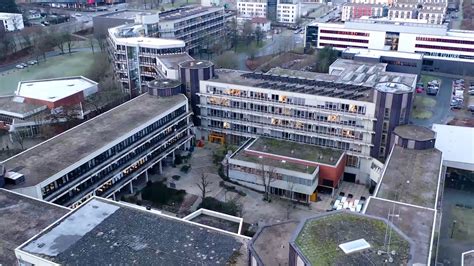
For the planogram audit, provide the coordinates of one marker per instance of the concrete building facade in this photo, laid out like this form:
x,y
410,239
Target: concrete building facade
x,y
12,21
443,50
302,107
105,154
198,26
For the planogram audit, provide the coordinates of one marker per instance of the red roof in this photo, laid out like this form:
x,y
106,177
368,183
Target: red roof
x,y
259,20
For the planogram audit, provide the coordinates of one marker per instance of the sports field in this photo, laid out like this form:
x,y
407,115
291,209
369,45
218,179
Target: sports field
x,y
54,67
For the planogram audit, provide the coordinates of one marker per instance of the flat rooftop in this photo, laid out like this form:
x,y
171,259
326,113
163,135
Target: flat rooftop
x,y
129,35
415,222
454,141
468,258
296,150
271,243
15,107
379,53
103,232
125,14
415,132
79,143
276,80
183,12
318,240
411,176
21,219
196,64
52,90
172,61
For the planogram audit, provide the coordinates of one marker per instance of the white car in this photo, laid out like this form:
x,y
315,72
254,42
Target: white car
x,y
78,15
19,66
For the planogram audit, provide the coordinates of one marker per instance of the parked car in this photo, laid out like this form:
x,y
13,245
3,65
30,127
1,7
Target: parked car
x,y
432,90
78,15
24,64
32,62
471,92
19,66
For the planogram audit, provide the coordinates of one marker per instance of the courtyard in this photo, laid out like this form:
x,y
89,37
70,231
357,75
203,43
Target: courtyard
x,y
253,209
75,64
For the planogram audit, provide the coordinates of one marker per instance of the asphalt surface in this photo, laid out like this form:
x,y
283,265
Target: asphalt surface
x,y
442,111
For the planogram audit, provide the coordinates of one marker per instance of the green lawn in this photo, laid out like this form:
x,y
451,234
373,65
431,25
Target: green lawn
x,y
54,67
464,228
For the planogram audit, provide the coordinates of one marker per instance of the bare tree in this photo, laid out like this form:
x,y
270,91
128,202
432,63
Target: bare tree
x,y
267,176
91,42
289,194
69,39
203,185
226,60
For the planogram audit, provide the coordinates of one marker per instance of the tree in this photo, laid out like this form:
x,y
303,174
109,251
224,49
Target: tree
x,y
267,176
7,45
203,185
233,33
247,31
325,58
251,51
227,60
69,40
289,194
259,34
91,42
58,40
101,40
8,6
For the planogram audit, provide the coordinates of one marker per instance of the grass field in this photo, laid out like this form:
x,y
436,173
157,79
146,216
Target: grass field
x,y
464,228
423,107
54,67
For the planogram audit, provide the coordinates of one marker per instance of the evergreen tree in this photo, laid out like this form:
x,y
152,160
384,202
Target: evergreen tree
x,y
8,6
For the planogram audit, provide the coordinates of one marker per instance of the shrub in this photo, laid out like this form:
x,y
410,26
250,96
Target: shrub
x,y
160,194
178,159
185,168
231,207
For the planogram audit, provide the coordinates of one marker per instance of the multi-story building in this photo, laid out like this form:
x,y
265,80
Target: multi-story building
x,y
107,232
149,21
136,57
443,50
47,101
434,13
11,21
256,8
286,12
104,154
286,168
198,26
323,109
402,13
356,10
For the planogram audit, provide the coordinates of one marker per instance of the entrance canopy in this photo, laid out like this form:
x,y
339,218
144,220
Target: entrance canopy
x,y
457,145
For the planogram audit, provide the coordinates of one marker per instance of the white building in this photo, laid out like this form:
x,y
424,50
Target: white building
x,y
443,50
288,13
12,21
135,56
257,8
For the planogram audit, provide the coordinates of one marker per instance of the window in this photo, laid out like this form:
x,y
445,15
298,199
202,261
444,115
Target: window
x,y
352,161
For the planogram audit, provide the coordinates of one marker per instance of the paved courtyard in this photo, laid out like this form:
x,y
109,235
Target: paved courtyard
x,y
454,241
254,209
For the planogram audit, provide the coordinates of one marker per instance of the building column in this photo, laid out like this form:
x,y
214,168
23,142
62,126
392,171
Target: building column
x,y
113,197
160,168
146,175
173,155
131,187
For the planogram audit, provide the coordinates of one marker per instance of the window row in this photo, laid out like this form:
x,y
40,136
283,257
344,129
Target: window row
x,y
345,33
